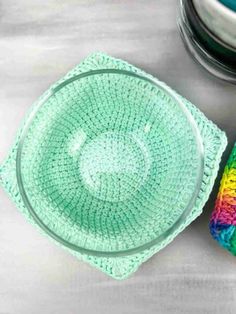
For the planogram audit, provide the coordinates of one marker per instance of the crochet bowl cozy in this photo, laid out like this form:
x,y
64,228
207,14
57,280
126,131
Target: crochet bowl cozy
x,y
223,220
112,164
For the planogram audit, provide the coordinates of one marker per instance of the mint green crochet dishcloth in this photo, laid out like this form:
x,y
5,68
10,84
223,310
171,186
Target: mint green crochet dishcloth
x,y
214,142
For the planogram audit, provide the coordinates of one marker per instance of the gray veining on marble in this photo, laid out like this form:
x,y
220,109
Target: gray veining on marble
x,y
39,42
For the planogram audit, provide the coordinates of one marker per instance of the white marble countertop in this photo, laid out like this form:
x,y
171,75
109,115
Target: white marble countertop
x,y
39,42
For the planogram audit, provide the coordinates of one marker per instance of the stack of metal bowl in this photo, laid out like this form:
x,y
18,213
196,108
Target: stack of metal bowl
x,y
208,28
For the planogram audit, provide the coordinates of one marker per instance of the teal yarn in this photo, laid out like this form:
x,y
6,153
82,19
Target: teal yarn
x,y
231,4
213,139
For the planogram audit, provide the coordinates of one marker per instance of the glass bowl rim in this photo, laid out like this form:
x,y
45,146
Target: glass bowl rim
x,y
200,150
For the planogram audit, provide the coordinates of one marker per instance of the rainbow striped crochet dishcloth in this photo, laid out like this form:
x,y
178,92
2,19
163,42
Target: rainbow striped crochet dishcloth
x,y
223,220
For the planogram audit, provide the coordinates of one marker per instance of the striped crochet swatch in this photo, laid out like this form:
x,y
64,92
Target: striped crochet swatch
x,y
223,220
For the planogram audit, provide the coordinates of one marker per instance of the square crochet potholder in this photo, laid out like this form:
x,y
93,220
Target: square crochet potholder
x,y
214,142
223,219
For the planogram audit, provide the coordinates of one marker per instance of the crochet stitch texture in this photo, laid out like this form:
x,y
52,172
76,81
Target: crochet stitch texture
x,y
214,142
223,219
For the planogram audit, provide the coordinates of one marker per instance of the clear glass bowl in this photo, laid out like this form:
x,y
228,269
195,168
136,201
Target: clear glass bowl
x,y
110,163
